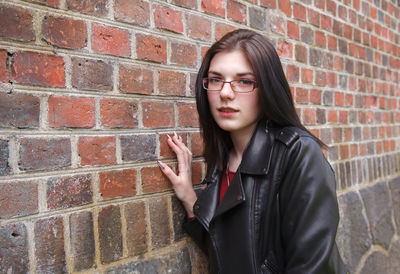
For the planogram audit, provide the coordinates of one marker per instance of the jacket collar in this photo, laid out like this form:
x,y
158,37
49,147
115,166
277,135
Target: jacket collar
x,y
255,161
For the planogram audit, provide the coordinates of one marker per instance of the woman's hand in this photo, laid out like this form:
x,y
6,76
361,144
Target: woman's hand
x,y
181,183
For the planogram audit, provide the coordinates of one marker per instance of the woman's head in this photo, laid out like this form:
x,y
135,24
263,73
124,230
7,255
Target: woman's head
x,y
274,96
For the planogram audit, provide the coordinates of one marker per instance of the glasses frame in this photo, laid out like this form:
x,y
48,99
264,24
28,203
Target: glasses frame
x,y
230,83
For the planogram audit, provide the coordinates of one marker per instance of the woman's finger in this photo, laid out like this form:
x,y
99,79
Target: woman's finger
x,y
168,172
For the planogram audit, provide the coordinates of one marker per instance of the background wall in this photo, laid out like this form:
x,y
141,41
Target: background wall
x,y
90,90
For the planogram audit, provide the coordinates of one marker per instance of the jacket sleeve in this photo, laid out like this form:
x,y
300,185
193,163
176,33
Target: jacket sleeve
x,y
197,232
308,210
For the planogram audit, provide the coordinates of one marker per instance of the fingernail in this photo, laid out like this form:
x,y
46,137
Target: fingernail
x,y
180,138
160,164
176,135
169,137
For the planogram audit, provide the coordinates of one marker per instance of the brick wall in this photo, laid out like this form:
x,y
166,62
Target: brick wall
x,y
90,89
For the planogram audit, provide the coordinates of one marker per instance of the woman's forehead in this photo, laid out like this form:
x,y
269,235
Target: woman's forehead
x,y
230,62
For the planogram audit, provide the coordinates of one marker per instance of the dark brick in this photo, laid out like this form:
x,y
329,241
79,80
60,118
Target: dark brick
x,y
377,205
307,35
118,183
301,53
49,246
91,74
159,221
376,262
4,154
18,199
82,240
64,32
138,147
92,7
257,18
16,24
177,262
65,192
327,98
321,116
19,110
110,235
178,215
352,237
14,257
394,186
315,57
342,46
136,228
44,153
135,12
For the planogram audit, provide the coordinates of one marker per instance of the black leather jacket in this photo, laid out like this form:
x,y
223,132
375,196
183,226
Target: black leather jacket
x,y
279,214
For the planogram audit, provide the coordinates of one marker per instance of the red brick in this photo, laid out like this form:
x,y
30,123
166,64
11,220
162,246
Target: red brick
x,y
16,23
337,135
313,17
19,110
18,199
344,151
204,50
331,7
49,245
293,30
237,11
3,66
38,69
66,192
343,117
15,250
136,12
136,228
159,221
332,43
326,22
151,48
168,19
119,183
198,27
292,73
268,3
221,29
320,78
110,234
135,80
91,74
44,153
315,96
331,79
285,49
153,180
320,4
197,176
118,113
111,40
339,99
51,3
190,4
64,32
301,53
299,12
301,96
284,5
197,144
158,114
309,116
320,39
92,7
187,115
184,54
95,150
171,83
165,150
277,24
213,6
307,76
75,112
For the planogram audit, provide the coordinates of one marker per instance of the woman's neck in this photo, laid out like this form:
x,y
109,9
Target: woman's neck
x,y
240,140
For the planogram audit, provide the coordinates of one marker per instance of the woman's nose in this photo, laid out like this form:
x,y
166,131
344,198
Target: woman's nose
x,y
227,92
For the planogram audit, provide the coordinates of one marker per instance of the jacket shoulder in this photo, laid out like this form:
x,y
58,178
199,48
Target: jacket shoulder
x,y
290,135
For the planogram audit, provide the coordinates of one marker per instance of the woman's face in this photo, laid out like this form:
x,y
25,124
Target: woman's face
x,y
232,111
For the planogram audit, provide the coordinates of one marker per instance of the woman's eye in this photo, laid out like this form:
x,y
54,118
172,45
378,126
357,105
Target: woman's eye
x,y
213,80
246,82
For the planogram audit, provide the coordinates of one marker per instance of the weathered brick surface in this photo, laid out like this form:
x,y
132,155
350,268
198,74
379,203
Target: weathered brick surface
x,y
73,112
82,240
135,12
118,113
138,147
4,74
16,23
377,262
214,7
153,180
65,192
159,221
135,80
151,48
110,40
38,69
97,150
184,54
110,235
49,245
118,183
44,153
257,18
165,150
136,228
91,7
394,186
198,27
158,114
236,11
221,29
14,257
51,3
178,216
91,74
18,199
19,111
168,19
197,144
171,83
4,158
187,115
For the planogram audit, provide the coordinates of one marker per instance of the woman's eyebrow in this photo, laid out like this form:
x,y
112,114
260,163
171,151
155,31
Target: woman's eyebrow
x,y
237,74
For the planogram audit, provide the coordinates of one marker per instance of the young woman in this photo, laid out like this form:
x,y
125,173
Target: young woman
x,y
270,202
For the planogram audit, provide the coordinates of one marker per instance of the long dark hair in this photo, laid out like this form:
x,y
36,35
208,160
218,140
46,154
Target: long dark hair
x,y
275,98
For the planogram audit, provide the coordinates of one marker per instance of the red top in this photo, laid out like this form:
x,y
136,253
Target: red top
x,y
224,183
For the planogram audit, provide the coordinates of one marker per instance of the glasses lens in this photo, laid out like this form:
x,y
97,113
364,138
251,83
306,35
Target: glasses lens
x,y
242,85
212,84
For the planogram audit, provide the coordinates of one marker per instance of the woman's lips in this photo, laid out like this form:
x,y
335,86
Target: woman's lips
x,y
227,112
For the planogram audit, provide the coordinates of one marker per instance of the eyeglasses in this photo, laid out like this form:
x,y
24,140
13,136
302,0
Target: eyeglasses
x,y
240,86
